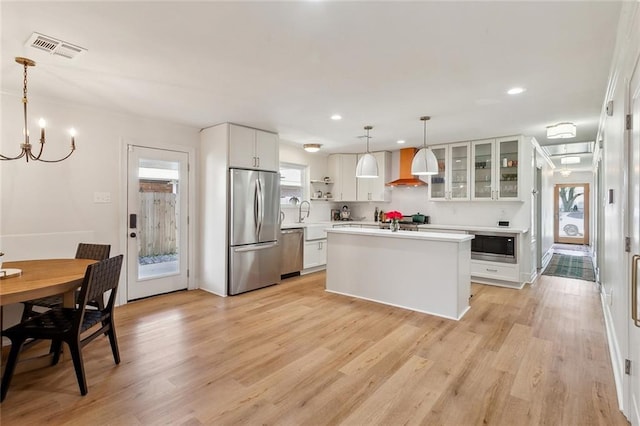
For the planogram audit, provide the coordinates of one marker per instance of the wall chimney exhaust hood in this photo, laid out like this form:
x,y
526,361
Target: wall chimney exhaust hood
x,y
406,178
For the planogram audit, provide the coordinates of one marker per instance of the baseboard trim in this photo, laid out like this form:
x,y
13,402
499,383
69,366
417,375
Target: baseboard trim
x,y
614,352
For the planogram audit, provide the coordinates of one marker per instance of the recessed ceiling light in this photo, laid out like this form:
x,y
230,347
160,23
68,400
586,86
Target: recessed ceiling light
x,y
336,117
570,160
516,90
400,141
561,131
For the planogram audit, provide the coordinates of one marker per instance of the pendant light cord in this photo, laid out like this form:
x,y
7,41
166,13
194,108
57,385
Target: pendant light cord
x,y
367,128
424,140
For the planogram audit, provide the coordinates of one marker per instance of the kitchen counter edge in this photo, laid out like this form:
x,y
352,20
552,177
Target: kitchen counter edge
x,y
385,233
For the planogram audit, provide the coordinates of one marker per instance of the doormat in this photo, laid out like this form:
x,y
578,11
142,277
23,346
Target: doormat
x,y
579,267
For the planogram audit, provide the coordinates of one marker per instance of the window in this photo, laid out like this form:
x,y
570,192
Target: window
x,y
292,183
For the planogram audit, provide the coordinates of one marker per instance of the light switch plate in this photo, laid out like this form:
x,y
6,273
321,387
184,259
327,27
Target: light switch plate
x,y
101,197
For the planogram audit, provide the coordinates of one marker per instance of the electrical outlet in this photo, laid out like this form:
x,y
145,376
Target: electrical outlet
x,y
101,197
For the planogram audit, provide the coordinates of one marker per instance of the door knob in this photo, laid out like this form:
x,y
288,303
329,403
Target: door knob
x,y
132,235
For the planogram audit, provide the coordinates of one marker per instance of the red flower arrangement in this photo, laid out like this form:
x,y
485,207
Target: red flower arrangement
x,y
393,215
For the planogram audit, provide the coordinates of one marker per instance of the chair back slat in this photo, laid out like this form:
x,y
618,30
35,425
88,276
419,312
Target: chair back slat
x,y
100,278
93,251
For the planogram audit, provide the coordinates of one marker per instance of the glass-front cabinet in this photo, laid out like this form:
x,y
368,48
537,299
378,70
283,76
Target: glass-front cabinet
x,y
451,182
459,189
495,169
437,189
482,175
507,150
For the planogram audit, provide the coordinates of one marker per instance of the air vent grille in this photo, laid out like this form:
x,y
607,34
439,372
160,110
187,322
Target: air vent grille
x,y
54,46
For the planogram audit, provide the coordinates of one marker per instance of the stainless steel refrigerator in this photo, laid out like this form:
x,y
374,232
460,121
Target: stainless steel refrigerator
x,y
254,226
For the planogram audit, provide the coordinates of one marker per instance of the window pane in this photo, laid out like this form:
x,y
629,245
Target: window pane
x,y
292,183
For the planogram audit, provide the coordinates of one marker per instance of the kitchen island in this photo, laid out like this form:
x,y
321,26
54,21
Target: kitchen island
x,y
422,271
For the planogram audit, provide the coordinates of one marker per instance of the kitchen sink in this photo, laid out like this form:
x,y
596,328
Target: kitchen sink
x,y
316,231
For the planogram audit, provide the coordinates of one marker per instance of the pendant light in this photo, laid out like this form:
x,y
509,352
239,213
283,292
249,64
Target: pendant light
x,y
367,165
424,162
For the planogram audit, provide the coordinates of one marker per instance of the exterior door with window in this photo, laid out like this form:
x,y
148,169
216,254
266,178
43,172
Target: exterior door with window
x,y
157,222
571,218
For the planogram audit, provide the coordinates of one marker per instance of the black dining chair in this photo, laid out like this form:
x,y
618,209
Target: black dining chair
x,y
75,326
84,251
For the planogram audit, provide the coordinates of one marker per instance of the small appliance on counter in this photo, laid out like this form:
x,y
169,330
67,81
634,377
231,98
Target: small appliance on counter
x,y
345,213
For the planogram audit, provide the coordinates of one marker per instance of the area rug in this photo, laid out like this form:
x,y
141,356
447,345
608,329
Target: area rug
x,y
579,267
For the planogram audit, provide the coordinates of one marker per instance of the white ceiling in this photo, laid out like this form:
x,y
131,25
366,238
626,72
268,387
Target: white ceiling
x,y
287,66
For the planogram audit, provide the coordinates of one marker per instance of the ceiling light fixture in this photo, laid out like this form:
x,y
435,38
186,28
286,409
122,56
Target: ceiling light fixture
x,y
424,162
516,90
336,117
26,146
367,166
565,172
312,147
570,160
561,131
401,141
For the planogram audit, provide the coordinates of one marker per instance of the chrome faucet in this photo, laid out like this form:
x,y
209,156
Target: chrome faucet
x,y
300,218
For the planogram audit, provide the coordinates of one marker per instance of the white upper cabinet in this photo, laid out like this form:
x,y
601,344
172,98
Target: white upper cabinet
x,y
253,149
508,176
452,180
374,189
342,168
495,169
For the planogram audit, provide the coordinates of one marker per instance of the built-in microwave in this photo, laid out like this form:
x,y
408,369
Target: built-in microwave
x,y
496,247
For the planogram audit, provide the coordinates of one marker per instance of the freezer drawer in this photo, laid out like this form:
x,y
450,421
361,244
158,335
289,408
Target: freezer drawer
x,y
253,266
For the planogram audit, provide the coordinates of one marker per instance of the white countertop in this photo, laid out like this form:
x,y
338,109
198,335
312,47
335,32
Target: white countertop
x,y
328,224
355,224
507,230
413,235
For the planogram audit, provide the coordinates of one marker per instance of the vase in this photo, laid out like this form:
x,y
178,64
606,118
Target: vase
x,y
394,225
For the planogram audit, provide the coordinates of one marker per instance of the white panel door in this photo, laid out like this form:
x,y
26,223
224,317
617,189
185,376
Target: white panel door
x,y
633,387
157,195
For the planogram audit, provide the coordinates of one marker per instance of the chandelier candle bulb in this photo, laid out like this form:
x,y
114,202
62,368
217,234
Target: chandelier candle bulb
x,y
42,124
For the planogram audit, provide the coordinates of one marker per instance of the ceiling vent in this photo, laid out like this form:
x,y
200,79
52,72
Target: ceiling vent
x,y
54,46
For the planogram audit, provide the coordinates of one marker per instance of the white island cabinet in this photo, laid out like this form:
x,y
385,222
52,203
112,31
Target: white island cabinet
x,y
421,271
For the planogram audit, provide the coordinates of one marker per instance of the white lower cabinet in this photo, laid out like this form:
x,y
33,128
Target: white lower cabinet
x,y
315,253
494,270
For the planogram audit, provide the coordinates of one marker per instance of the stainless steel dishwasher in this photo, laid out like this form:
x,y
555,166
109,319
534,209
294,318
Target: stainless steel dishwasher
x,y
291,255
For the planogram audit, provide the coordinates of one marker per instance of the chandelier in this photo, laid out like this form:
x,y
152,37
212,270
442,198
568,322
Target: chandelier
x,y
25,147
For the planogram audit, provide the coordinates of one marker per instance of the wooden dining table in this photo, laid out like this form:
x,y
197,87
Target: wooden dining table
x,y
41,278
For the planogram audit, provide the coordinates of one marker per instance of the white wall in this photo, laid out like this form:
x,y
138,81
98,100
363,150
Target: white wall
x,y
46,209
613,260
57,198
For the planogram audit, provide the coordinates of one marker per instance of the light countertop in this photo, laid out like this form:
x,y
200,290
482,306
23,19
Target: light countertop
x,y
356,224
471,228
385,233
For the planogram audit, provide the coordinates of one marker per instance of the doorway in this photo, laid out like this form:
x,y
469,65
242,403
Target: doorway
x,y
571,213
157,221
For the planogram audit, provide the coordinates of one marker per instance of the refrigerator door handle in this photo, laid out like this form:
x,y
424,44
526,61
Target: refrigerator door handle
x,y
260,207
256,208
254,247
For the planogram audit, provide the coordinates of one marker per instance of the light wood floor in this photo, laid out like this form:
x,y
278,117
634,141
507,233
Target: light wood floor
x,y
292,354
